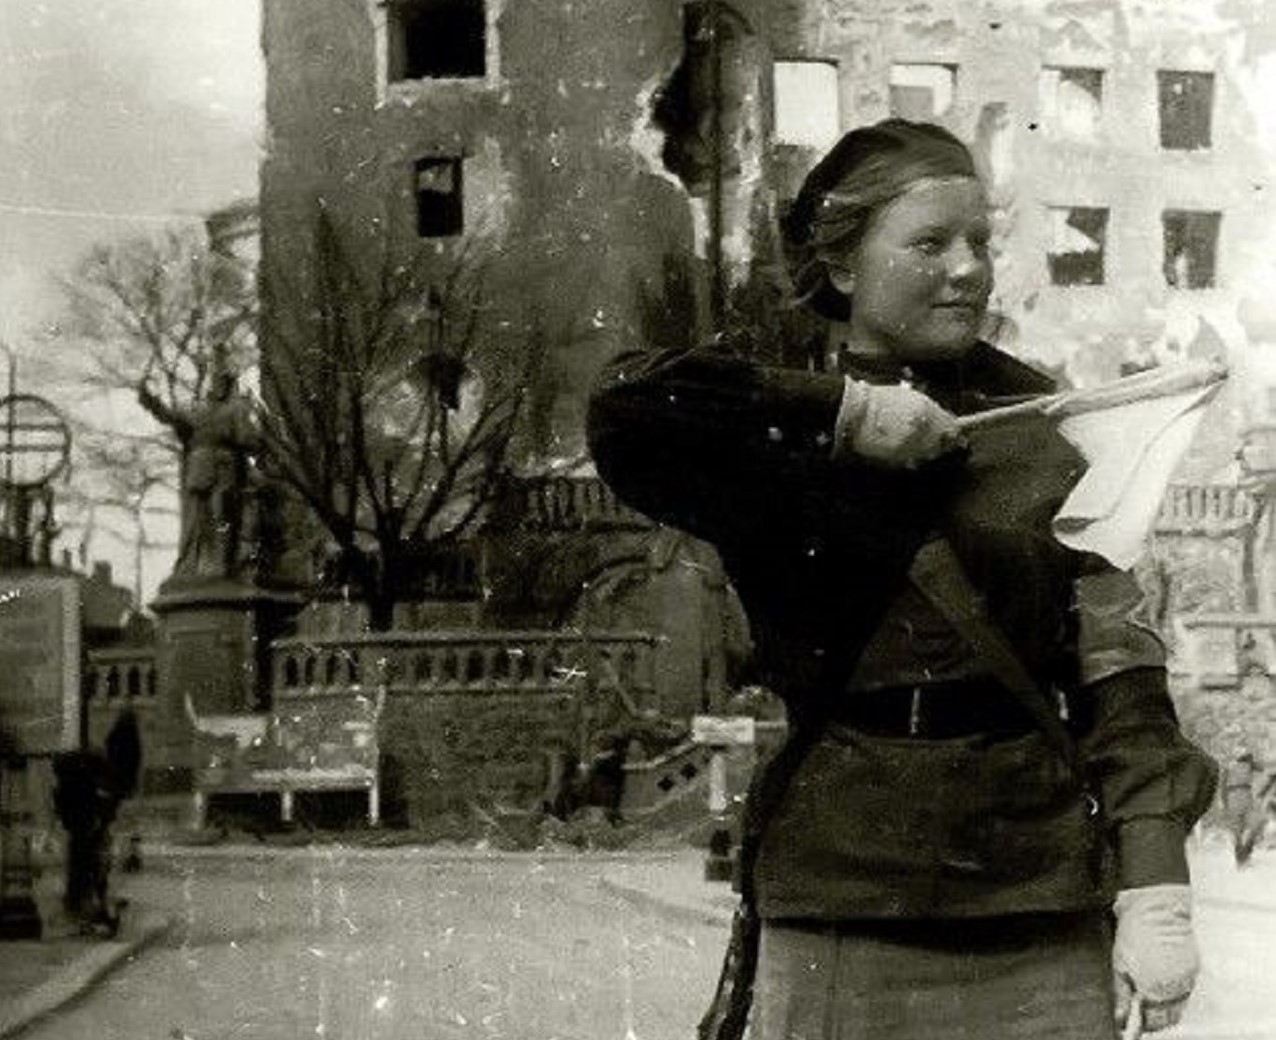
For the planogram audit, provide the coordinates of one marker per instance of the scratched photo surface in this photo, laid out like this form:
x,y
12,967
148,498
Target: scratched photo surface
x,y
340,694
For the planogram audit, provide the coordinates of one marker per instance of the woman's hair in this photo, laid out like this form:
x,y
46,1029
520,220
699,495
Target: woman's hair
x,y
866,169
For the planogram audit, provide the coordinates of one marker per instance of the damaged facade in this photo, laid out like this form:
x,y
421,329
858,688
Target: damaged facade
x,y
537,151
576,143
621,169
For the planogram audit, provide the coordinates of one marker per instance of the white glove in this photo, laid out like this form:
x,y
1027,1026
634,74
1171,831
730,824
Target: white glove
x,y
893,426
1154,954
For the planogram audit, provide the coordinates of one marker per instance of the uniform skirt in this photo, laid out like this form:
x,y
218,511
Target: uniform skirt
x,y
1034,975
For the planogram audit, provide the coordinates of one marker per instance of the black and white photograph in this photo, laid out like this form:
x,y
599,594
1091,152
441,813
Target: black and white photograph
x,y
637,519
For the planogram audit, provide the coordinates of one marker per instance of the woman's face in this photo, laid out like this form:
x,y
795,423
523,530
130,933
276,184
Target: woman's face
x,y
920,276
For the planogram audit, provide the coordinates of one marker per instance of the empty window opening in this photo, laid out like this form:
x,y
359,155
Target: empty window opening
x,y
1191,248
807,111
1186,103
439,203
1078,243
1071,100
922,91
437,39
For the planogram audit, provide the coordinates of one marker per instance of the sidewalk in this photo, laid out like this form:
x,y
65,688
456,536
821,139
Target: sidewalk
x,y
38,976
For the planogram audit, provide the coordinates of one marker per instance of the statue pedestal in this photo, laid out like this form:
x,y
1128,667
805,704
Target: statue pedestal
x,y
212,657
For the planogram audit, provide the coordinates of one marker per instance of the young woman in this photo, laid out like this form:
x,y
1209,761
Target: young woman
x,y
977,826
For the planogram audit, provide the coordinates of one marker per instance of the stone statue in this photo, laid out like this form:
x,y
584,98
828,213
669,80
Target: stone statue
x,y
218,437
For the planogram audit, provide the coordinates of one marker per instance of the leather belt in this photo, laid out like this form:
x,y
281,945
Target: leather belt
x,y
937,711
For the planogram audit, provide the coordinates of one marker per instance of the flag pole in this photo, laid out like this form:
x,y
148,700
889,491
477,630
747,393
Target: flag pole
x,y
1157,382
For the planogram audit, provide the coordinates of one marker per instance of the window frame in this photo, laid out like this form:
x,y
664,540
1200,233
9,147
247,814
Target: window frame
x,y
1051,119
451,205
391,84
788,62
954,70
1055,261
1163,83
1214,220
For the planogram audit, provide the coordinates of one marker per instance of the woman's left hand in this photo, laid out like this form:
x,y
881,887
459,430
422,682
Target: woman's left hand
x,y
1154,956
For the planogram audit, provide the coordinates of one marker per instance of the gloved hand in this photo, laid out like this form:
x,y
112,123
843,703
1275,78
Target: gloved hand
x,y
1154,953
893,426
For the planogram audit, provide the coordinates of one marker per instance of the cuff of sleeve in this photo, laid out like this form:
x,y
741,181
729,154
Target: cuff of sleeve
x,y
850,417
1151,850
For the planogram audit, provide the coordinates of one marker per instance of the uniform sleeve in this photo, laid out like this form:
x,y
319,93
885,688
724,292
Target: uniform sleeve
x,y
704,440
1154,783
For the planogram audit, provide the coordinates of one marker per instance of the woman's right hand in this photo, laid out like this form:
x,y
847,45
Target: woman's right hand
x,y
893,426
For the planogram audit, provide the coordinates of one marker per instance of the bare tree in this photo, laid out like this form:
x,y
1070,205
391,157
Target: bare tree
x,y
160,309
388,407
127,480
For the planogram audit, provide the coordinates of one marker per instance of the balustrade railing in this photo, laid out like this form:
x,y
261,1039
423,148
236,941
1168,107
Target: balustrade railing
x,y
1205,508
119,673
467,662
566,504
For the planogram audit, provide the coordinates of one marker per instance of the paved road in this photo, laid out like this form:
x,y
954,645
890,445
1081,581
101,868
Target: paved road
x,y
320,946
314,944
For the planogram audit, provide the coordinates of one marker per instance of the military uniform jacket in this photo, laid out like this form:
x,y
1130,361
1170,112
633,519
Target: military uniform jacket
x,y
819,550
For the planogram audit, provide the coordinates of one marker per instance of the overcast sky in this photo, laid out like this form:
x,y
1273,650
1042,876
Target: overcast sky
x,y
115,115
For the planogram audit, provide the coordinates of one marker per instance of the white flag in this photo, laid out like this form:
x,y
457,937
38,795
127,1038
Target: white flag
x,y
1132,434
1132,451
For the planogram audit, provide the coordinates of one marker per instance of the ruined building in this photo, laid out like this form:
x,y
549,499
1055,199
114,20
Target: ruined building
x,y
575,144
619,167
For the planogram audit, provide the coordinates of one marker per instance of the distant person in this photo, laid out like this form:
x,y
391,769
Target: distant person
x,y
561,796
604,783
86,801
1248,794
124,753
124,759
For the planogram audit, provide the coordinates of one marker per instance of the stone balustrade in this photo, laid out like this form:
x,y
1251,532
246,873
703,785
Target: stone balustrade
x,y
567,503
473,661
1205,509
117,674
